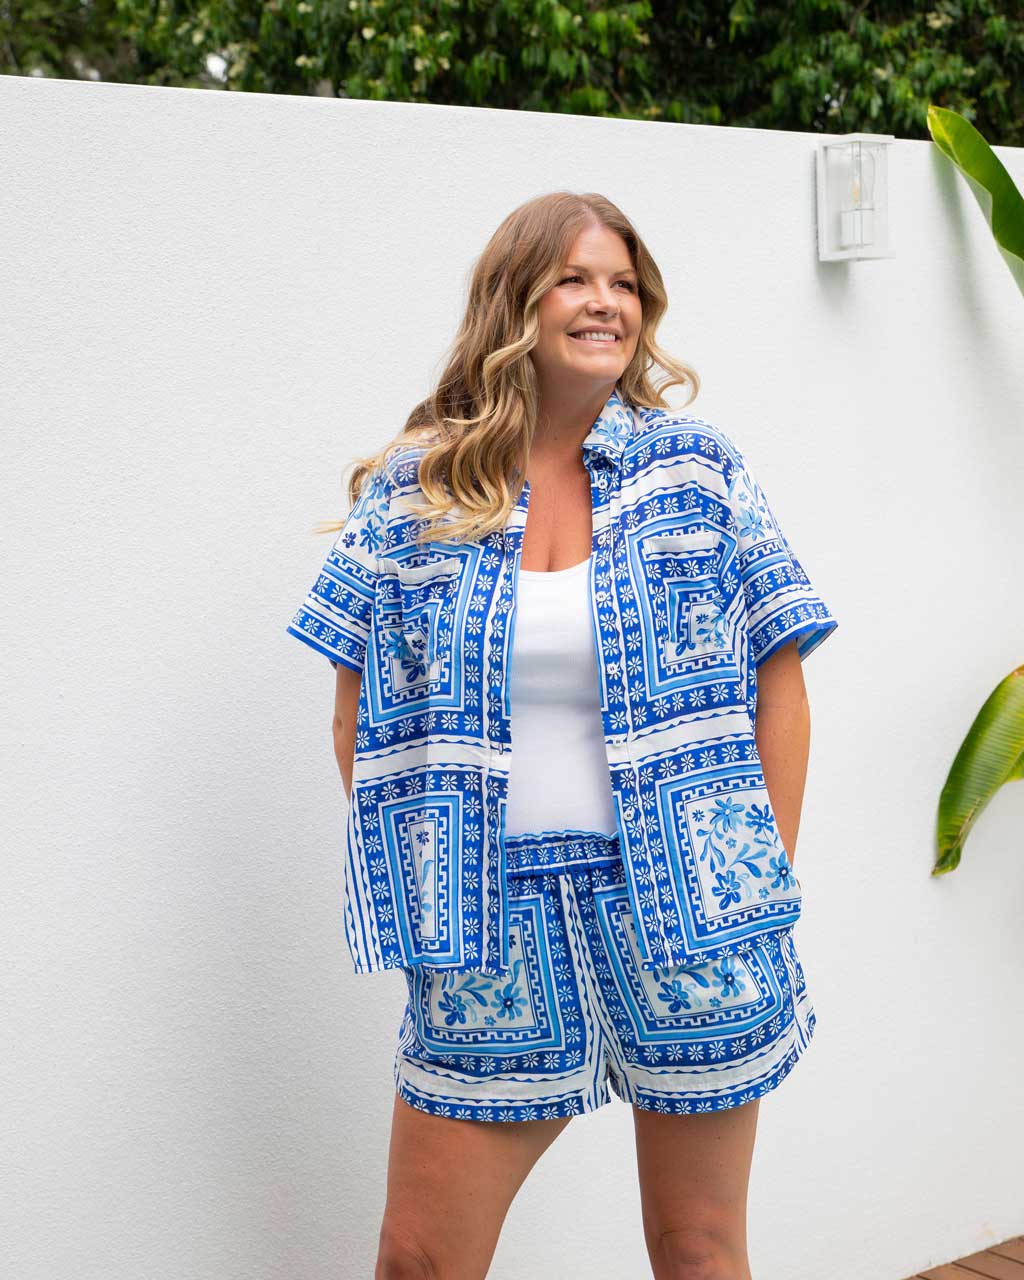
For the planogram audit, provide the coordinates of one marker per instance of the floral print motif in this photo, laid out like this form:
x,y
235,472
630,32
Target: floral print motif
x,y
739,844
677,991
464,994
413,652
424,842
708,625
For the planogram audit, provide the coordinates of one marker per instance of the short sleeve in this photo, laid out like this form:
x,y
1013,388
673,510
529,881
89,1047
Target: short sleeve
x,y
335,617
782,603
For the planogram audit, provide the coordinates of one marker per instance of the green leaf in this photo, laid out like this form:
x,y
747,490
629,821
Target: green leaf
x,y
991,754
1000,201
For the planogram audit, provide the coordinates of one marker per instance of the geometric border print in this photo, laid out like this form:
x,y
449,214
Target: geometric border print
x,y
689,638
697,623
427,594
426,861
725,997
523,1011
416,658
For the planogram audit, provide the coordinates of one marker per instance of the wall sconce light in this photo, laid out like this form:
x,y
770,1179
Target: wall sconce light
x,y
853,197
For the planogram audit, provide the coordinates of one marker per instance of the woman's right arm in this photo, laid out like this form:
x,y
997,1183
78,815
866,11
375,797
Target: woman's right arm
x,y
346,705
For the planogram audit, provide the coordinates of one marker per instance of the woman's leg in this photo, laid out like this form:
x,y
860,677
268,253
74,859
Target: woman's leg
x,y
450,1185
694,1171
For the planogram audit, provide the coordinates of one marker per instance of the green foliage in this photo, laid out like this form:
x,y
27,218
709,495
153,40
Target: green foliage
x,y
814,65
993,751
993,188
991,755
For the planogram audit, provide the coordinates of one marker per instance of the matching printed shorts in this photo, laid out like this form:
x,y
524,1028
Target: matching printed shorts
x,y
578,1012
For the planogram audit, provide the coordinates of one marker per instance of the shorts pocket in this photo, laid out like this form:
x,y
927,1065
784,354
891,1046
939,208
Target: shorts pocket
x,y
725,996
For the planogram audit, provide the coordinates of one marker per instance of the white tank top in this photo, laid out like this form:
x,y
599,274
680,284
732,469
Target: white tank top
x,y
559,776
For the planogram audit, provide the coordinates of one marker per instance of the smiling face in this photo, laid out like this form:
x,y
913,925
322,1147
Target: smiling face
x,y
590,320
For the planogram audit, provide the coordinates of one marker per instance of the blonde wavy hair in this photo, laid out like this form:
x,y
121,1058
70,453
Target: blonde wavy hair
x,y
478,423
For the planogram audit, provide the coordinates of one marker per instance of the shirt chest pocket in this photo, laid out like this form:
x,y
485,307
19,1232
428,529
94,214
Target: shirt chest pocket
x,y
685,600
418,617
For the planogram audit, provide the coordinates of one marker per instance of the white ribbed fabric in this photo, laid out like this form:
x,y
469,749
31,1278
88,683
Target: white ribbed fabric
x,y
559,780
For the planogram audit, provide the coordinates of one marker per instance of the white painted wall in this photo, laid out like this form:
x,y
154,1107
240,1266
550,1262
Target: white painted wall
x,y
210,302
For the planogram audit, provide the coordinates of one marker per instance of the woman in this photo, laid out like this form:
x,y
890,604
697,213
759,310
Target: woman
x,y
551,732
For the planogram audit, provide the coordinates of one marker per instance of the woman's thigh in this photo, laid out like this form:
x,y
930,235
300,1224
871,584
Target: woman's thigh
x,y
450,1184
694,1172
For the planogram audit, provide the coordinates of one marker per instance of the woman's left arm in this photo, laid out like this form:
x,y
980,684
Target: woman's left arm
x,y
782,731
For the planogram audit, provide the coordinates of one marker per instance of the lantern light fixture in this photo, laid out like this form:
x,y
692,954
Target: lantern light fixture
x,y
853,196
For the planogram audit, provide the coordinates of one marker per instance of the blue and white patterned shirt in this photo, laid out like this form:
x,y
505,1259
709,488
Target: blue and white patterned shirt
x,y
692,586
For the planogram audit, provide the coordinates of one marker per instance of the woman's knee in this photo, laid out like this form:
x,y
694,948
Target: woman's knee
x,y
401,1257
698,1255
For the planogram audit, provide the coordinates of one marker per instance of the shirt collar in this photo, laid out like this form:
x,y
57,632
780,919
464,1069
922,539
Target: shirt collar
x,y
613,428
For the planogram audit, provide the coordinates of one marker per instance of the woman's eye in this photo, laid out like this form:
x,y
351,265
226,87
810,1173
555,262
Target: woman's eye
x,y
627,283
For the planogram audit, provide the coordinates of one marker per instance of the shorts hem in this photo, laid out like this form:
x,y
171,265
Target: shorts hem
x,y
502,1112
694,1103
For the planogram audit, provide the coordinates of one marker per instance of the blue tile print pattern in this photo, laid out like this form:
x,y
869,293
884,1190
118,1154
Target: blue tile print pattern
x,y
692,586
580,1015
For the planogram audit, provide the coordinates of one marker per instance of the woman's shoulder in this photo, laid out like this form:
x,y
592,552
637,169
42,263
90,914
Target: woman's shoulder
x,y
687,433
401,462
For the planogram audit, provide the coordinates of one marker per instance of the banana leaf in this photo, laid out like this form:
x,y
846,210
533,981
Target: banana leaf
x,y
994,189
991,754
